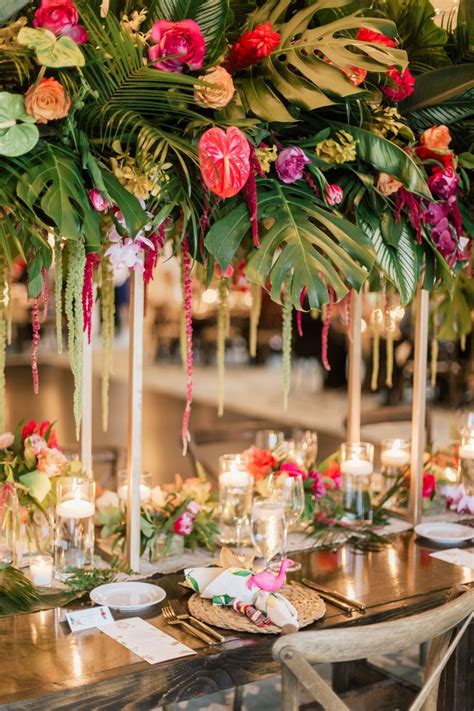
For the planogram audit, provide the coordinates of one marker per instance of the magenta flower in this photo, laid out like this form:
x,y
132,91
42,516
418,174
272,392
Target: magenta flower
x,y
334,194
183,525
177,44
292,469
405,85
319,487
443,183
435,212
290,164
61,18
98,202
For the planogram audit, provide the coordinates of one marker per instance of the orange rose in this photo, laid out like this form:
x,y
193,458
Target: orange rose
x,y
387,185
437,138
47,101
219,94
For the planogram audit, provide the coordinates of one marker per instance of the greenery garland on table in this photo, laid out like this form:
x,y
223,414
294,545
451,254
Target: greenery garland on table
x,y
321,147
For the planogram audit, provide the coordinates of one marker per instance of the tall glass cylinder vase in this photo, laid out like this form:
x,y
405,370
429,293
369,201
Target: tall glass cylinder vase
x,y
466,460
235,499
74,539
395,460
357,466
10,540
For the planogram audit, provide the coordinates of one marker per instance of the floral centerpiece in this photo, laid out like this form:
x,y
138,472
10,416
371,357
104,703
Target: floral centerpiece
x,y
178,515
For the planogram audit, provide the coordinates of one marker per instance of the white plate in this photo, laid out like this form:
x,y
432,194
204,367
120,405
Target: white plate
x,y
127,596
445,532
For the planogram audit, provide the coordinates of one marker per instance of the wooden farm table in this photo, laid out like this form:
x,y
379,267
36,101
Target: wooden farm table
x,y
44,666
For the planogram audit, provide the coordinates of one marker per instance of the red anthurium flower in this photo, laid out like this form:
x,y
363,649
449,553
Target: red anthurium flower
x,y
253,46
366,35
224,160
28,429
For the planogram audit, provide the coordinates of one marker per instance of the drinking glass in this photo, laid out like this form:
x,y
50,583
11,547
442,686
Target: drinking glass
x,y
466,459
235,493
357,466
290,491
269,439
303,447
268,529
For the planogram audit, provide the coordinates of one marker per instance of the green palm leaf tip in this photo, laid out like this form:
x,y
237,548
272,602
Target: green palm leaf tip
x,y
16,592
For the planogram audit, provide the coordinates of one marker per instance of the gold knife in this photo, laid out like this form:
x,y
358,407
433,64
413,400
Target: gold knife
x,y
329,598
349,601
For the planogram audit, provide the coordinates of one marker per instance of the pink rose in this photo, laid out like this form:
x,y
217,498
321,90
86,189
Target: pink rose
x,y
405,85
183,525
334,194
429,485
6,440
61,18
51,462
183,41
98,202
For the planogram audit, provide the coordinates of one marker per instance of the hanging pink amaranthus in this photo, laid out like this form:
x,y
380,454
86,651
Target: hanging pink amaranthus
x,y
250,193
299,314
151,255
403,198
309,179
44,294
92,260
187,288
35,324
326,327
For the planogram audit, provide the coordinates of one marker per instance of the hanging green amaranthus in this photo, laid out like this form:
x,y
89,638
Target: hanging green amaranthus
x,y
107,330
75,321
8,301
3,331
222,332
286,337
58,293
376,322
255,310
390,329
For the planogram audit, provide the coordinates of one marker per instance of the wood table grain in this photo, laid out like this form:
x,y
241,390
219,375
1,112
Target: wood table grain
x,y
45,666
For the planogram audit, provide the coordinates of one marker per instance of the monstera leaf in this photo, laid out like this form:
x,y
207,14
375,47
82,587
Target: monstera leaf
x,y
396,252
18,132
305,241
53,185
310,66
51,51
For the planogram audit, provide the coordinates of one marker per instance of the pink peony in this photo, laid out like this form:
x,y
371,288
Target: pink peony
x,y
6,440
182,42
61,18
319,487
443,183
334,194
292,469
98,202
405,85
290,164
183,525
51,462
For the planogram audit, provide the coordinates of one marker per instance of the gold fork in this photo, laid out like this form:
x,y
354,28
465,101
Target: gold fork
x,y
171,619
182,613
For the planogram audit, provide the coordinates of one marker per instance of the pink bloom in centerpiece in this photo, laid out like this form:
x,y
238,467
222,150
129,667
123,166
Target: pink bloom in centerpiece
x,y
6,440
260,462
98,202
184,524
51,462
319,487
177,44
443,183
290,164
292,469
61,18
334,194
429,485
405,82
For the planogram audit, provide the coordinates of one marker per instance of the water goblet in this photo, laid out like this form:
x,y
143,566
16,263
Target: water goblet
x,y
268,529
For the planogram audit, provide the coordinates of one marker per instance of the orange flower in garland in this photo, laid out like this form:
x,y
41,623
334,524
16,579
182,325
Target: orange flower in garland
x,y
252,47
47,101
224,159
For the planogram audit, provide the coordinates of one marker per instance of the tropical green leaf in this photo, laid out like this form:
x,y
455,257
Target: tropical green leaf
x,y
38,484
398,259
134,215
311,66
51,51
9,8
53,184
386,156
438,87
18,132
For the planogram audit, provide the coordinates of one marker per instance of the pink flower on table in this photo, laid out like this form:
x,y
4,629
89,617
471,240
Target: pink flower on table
x,y
405,85
183,42
61,18
98,202
52,462
429,485
184,524
290,164
292,469
319,487
334,194
6,440
443,183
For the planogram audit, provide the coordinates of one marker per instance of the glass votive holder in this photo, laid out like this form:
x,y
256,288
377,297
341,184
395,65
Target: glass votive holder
x,y
395,461
235,497
303,447
466,459
269,439
357,466
74,539
145,486
41,570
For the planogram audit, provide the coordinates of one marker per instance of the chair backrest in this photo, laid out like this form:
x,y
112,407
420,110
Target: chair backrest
x,y
298,651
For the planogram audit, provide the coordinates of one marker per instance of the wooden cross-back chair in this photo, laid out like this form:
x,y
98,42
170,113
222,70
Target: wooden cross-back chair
x,y
297,652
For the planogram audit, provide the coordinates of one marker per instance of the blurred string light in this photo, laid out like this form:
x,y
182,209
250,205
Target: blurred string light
x,y
209,296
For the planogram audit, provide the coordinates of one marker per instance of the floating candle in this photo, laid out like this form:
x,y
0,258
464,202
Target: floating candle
x,y
395,457
357,467
145,493
41,570
466,451
75,508
236,478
